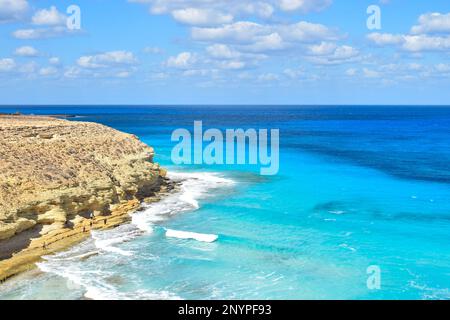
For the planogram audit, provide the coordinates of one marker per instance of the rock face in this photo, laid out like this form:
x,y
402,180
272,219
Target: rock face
x,y
55,172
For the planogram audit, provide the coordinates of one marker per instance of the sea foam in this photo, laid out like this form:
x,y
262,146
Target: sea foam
x,y
191,235
92,280
193,188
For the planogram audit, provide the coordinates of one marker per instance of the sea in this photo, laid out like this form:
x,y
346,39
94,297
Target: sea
x,y
360,209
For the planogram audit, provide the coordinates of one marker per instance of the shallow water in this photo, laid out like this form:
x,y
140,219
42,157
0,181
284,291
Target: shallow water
x,y
357,187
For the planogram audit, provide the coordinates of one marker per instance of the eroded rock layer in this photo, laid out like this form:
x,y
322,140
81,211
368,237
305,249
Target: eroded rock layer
x,y
55,174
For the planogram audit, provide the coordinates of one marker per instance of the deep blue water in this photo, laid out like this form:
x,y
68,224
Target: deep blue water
x,y
358,186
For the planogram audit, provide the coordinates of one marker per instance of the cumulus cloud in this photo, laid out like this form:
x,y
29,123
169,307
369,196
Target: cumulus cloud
x,y
12,10
47,23
182,61
7,64
222,51
42,33
200,11
383,39
432,23
26,51
195,16
50,17
426,43
54,61
331,53
107,59
48,71
370,73
257,37
293,73
220,12
304,5
431,34
412,43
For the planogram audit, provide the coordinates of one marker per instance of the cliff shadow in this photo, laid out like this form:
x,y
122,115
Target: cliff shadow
x,y
18,242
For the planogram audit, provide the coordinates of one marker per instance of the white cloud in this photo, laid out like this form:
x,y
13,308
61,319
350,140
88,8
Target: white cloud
x,y
182,61
42,33
107,59
12,10
224,8
260,9
54,61
262,37
304,5
226,57
26,51
426,43
324,48
195,16
48,71
444,68
293,73
232,65
431,34
50,17
200,12
370,73
7,65
73,72
432,23
330,53
413,43
383,39
222,51
123,74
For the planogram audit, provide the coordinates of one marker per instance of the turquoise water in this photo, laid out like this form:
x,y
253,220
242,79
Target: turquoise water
x,y
358,186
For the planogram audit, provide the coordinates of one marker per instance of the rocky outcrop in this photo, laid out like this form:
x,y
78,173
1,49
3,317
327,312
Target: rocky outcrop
x,y
55,174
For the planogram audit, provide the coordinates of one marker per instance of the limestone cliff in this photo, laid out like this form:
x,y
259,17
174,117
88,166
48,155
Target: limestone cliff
x,y
55,173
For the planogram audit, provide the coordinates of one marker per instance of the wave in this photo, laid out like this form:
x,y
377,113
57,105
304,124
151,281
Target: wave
x,y
193,188
93,278
191,235
105,240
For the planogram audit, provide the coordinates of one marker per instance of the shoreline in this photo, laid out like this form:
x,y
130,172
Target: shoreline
x,y
65,238
62,239
60,179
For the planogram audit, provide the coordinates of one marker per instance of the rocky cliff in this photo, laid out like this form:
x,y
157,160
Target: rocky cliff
x,y
56,174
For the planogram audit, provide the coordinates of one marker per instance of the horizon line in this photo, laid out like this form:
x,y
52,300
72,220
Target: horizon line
x,y
221,105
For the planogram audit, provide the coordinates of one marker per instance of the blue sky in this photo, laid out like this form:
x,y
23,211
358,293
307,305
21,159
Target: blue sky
x,y
225,52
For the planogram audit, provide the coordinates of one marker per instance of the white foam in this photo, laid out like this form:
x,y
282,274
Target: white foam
x,y
85,275
105,240
191,235
99,293
92,280
193,187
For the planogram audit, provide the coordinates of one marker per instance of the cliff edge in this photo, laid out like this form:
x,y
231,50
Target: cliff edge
x,y
59,176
